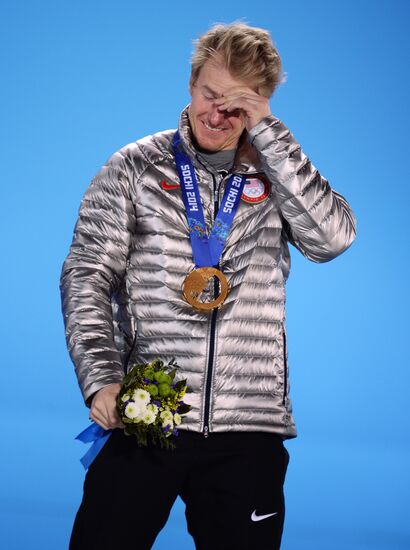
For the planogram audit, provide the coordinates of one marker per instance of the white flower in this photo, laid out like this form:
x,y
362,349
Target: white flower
x,y
125,398
166,417
148,417
153,408
167,420
141,396
177,419
132,411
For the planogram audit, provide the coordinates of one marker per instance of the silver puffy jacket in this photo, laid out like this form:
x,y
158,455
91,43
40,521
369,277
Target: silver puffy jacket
x,y
121,282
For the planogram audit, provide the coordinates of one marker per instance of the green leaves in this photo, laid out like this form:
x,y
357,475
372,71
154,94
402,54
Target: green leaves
x,y
178,386
184,408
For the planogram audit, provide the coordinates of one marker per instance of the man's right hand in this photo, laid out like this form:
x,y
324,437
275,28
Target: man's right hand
x,y
104,408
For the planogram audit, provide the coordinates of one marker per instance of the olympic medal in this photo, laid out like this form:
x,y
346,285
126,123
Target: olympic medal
x,y
197,281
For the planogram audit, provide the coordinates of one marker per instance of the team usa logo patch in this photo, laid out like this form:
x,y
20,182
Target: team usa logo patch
x,y
255,190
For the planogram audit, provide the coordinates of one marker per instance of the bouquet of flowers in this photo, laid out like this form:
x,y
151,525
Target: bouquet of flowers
x,y
151,404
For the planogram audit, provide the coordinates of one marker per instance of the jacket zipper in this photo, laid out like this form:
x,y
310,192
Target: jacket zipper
x,y
214,315
209,371
285,368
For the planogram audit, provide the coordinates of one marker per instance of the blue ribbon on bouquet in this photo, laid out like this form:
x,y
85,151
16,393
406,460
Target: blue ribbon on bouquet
x,y
98,437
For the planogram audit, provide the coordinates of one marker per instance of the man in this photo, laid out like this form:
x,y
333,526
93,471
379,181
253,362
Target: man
x,y
128,294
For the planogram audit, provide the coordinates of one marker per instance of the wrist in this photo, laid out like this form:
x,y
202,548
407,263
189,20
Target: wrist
x,y
263,125
257,118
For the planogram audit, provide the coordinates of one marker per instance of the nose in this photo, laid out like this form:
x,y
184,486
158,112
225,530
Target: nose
x,y
216,117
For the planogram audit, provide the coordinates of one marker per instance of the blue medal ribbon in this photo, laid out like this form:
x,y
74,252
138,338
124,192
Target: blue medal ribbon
x,y
98,437
206,251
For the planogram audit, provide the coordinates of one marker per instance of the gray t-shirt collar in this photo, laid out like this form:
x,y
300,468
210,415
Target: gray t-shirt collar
x,y
219,160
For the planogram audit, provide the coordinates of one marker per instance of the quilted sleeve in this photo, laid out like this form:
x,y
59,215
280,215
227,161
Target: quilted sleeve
x,y
320,221
91,274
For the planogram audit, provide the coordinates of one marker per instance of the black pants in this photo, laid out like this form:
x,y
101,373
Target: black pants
x,y
228,481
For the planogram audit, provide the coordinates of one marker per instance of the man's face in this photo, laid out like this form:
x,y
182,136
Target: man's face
x,y
214,130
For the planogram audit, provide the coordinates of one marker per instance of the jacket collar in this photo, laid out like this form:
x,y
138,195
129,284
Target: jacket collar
x,y
246,159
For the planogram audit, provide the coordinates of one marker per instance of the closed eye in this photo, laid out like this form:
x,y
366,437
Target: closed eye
x,y
208,94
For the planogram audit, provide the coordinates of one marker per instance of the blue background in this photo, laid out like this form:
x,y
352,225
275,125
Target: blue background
x,y
80,80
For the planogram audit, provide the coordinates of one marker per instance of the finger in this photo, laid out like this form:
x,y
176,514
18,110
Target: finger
x,y
234,96
224,104
114,418
100,420
106,414
229,104
118,424
242,104
107,425
98,414
240,90
110,413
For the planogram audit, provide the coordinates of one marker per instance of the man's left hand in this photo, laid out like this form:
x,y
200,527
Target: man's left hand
x,y
254,106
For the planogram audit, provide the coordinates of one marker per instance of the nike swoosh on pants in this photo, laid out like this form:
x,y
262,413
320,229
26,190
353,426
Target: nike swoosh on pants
x,y
255,517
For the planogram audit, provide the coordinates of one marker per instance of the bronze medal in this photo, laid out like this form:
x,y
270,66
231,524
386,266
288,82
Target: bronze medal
x,y
197,281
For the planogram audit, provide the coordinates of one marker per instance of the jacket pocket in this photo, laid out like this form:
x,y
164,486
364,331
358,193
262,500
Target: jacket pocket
x,y
285,366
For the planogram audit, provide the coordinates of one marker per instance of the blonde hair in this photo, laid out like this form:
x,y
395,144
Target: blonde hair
x,y
248,53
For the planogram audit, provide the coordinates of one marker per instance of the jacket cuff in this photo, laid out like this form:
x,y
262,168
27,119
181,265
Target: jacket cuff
x,y
94,387
267,123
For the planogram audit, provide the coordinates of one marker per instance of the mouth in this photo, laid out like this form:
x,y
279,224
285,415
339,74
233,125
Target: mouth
x,y
211,129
